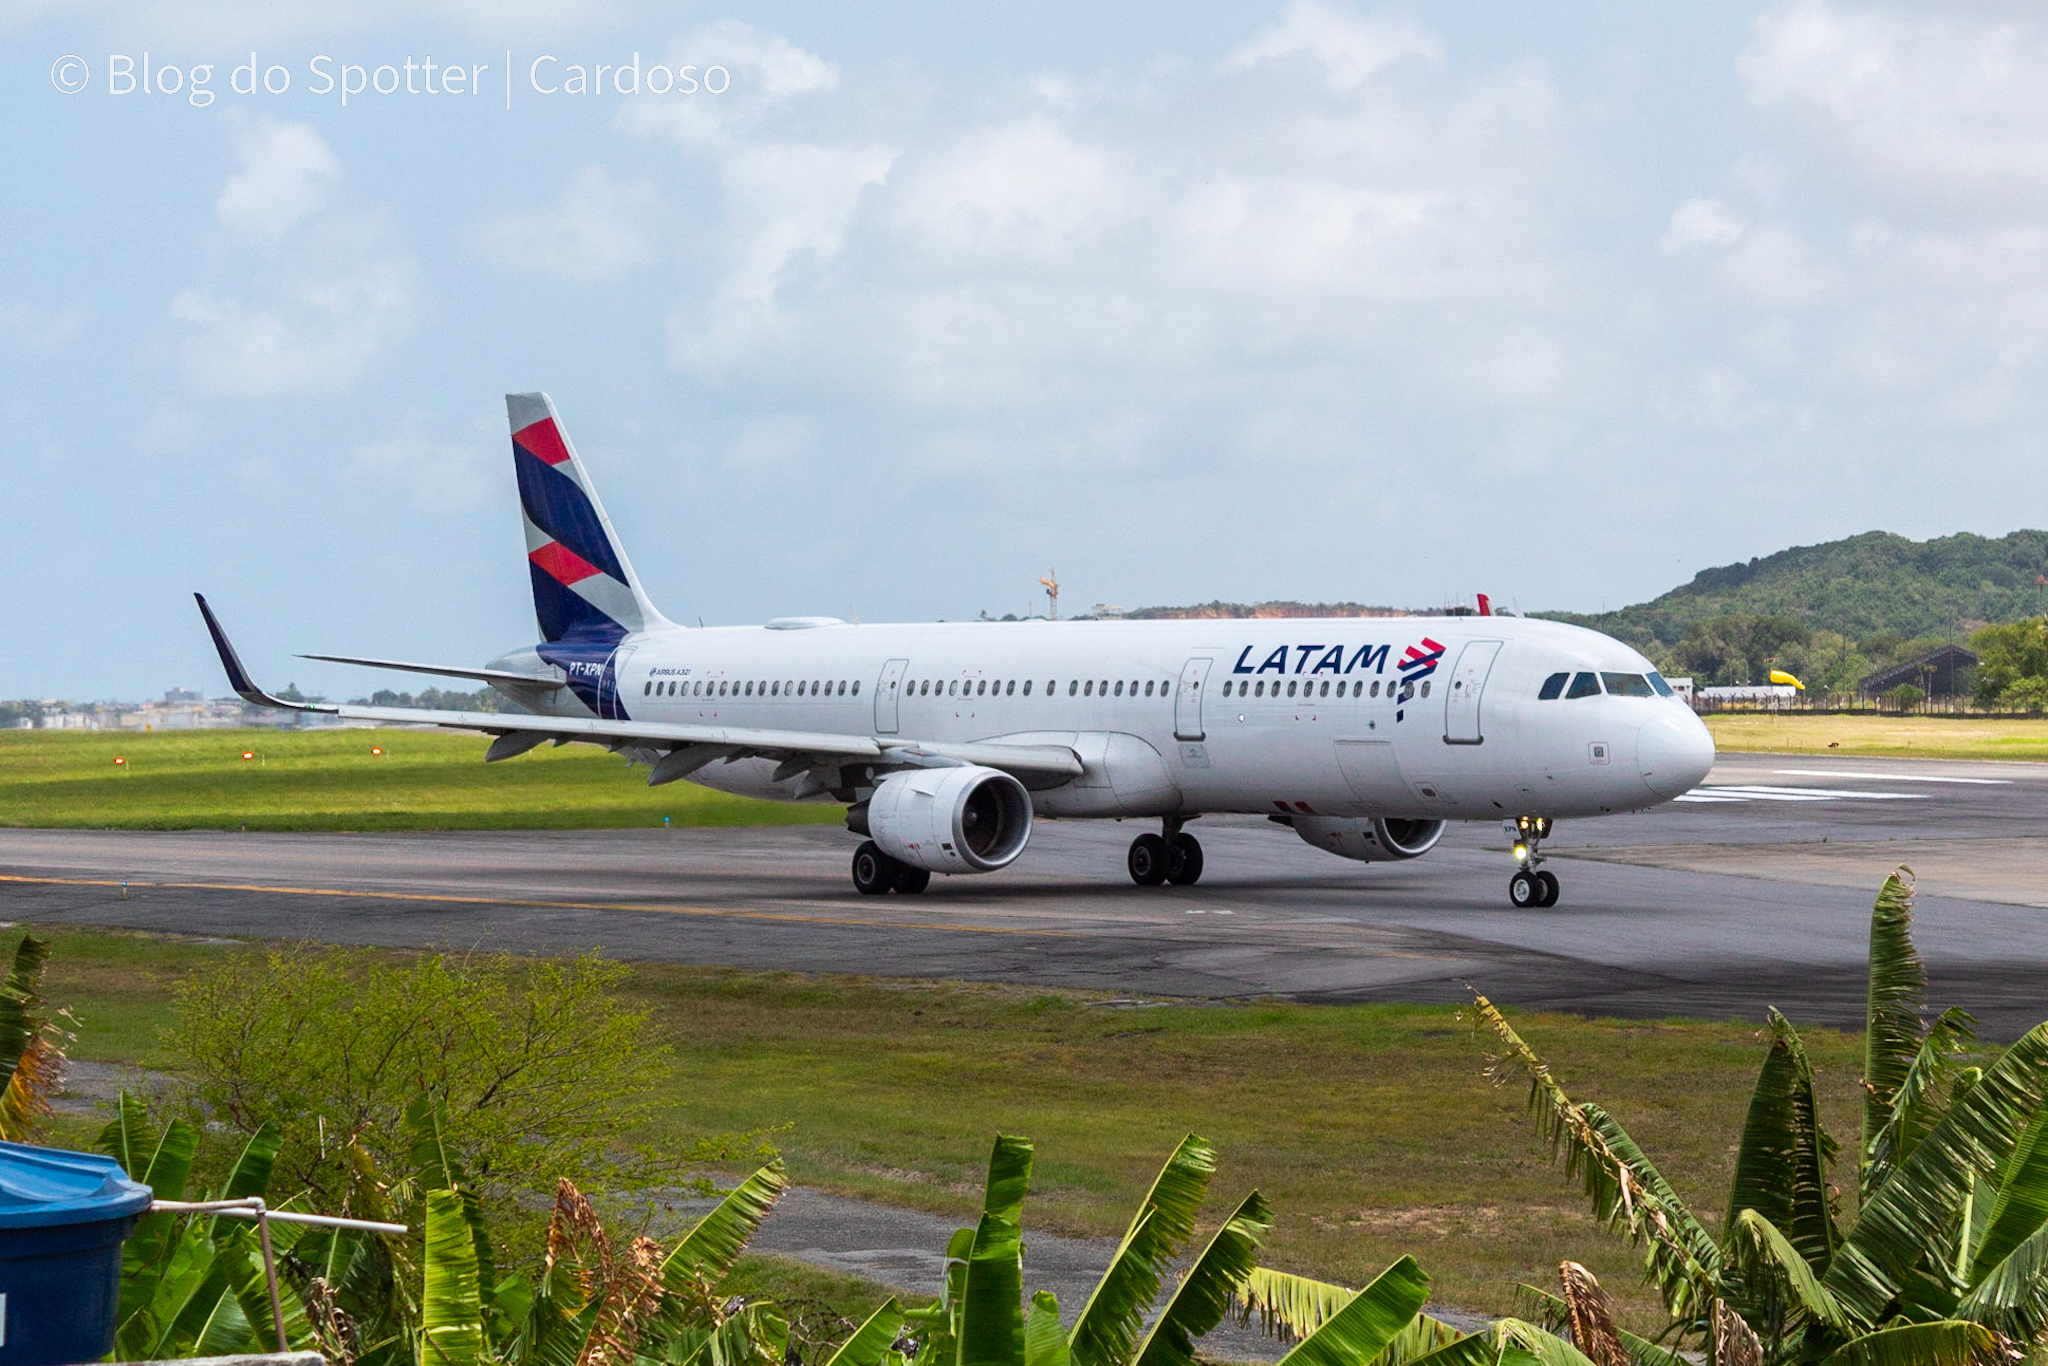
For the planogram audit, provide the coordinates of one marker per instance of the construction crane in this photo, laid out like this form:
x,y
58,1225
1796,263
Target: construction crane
x,y
1052,591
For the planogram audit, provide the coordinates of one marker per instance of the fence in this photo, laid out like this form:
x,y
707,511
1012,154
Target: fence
x,y
1857,704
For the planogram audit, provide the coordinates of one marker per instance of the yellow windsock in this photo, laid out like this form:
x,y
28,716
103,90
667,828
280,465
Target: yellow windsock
x,y
1780,676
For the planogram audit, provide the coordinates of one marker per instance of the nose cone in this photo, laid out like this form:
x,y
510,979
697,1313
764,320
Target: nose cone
x,y
1675,751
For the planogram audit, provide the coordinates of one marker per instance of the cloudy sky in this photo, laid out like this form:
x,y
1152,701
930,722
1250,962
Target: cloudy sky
x,y
885,314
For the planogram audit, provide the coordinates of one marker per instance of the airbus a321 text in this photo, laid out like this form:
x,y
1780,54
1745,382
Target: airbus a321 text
x,y
1365,736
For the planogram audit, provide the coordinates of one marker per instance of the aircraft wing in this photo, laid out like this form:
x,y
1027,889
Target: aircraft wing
x,y
687,748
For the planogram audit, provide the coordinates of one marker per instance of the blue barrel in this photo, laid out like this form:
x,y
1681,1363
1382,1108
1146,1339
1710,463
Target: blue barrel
x,y
63,1218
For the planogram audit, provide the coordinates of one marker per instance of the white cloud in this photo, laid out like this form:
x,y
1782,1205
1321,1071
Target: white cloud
x,y
1939,113
437,476
315,328
36,330
1326,218
313,297
597,229
1698,224
1352,48
286,168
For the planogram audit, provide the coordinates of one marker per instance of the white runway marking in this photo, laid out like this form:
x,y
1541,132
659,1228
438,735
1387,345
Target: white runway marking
x,y
1751,792
1885,777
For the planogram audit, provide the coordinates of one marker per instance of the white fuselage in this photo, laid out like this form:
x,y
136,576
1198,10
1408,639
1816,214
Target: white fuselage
x,y
1293,716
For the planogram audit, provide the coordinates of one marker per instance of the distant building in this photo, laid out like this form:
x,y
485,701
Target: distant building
x,y
1936,673
1682,687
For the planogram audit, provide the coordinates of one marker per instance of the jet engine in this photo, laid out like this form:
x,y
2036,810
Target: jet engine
x,y
950,820
1370,840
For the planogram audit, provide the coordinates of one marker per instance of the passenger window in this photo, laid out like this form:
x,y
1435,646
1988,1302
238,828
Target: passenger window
x,y
1290,687
1226,687
1089,691
1425,687
856,687
1027,687
1134,687
1259,688
1553,687
1324,691
1073,686
1657,682
1583,685
1627,685
1119,687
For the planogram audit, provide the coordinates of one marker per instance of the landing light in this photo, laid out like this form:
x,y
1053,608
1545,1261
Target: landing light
x,y
1521,852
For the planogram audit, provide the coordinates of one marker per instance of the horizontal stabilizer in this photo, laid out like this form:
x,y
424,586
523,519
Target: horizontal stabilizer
x,y
442,670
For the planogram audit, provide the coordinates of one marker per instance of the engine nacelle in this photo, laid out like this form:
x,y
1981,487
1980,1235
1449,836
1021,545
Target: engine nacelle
x,y
1370,839
951,820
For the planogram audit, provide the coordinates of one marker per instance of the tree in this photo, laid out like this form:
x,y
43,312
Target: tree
x,y
2012,664
1946,1258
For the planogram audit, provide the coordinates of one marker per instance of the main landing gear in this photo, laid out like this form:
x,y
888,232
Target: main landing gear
x,y
1171,856
874,873
1530,887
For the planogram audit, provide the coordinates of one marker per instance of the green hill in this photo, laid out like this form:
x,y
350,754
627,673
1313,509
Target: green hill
x,y
1864,587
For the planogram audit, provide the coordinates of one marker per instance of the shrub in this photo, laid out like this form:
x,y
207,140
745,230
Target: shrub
x,y
539,1068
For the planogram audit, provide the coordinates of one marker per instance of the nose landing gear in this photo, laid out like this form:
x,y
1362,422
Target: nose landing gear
x,y
1530,887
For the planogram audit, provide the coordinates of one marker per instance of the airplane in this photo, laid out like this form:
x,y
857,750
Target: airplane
x,y
946,742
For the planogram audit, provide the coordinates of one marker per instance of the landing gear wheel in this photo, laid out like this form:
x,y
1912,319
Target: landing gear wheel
x,y
1549,881
1184,861
1525,890
874,872
911,879
1148,860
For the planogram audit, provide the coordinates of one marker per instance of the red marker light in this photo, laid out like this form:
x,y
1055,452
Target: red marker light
x,y
120,761
248,754
376,749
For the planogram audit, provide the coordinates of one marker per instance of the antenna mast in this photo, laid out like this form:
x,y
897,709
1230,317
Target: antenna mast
x,y
1052,591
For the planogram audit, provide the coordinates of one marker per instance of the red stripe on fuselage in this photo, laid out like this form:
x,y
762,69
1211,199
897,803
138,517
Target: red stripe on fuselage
x,y
543,442
564,564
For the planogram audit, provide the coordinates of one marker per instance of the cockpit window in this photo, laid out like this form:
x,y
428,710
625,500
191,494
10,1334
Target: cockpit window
x,y
1553,687
1585,685
1657,682
1628,685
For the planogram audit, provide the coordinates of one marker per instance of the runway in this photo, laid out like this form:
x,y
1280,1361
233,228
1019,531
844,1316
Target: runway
x,y
1753,892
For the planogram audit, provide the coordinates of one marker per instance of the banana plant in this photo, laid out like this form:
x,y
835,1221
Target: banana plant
x,y
1946,1258
982,1319
195,1285
31,1044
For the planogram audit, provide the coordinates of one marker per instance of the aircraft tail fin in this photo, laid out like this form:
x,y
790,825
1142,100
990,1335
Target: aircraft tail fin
x,y
584,587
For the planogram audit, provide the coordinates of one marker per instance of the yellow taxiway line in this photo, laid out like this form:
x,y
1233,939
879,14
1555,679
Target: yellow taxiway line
x,y
711,912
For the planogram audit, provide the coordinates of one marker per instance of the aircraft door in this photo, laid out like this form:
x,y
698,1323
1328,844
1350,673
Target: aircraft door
x,y
885,696
609,704
1461,699
1187,700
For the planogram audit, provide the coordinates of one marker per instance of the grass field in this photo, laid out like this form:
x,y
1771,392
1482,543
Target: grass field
x,y
334,780
1371,1128
1908,737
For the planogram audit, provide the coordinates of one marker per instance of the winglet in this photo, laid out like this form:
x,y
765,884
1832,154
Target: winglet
x,y
238,677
